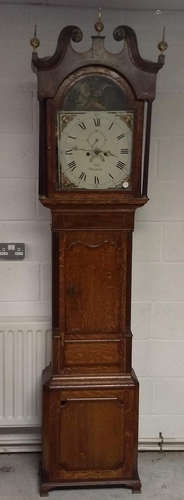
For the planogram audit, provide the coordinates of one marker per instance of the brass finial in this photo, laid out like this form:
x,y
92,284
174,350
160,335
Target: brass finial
x,y
163,45
99,26
35,42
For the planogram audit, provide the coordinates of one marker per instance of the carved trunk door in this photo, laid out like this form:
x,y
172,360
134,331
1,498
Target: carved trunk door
x,y
93,280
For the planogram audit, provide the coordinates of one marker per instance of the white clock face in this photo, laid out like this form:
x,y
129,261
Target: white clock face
x,y
95,149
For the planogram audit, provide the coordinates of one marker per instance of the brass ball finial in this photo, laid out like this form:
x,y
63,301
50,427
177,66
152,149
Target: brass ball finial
x,y
163,45
35,42
99,26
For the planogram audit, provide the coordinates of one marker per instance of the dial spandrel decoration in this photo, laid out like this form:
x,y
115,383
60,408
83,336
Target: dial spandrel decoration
x,y
94,150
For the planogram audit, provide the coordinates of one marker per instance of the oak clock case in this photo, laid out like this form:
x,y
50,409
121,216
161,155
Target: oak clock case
x,y
93,175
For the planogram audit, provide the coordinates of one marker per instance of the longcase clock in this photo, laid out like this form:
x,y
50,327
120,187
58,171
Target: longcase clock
x,y
95,108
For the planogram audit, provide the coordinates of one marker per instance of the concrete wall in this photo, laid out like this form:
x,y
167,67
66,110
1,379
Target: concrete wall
x,y
158,261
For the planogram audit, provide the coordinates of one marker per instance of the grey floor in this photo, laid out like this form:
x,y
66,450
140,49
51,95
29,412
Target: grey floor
x,y
162,476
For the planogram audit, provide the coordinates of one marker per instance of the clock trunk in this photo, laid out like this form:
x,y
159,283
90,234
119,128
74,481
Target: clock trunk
x,y
90,400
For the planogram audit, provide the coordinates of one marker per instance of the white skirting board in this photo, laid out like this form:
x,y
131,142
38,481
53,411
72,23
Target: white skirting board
x,y
29,440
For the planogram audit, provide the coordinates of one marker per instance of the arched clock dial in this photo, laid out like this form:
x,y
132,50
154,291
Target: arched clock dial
x,y
95,149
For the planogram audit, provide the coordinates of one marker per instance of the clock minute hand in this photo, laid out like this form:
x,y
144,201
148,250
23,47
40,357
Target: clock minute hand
x,y
75,148
96,151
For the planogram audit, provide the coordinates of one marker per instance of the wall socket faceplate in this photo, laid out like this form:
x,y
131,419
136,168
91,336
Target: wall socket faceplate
x,y
12,251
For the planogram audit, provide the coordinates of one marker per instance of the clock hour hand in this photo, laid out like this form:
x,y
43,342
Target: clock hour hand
x,y
108,153
101,153
93,153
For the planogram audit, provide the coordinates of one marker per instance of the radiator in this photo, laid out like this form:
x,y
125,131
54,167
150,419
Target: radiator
x,y
25,349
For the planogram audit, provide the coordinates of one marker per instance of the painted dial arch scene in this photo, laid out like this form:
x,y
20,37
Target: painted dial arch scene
x,y
94,150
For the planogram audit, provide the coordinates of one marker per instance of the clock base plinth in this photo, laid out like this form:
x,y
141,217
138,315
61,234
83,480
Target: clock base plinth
x,y
44,490
133,484
89,432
